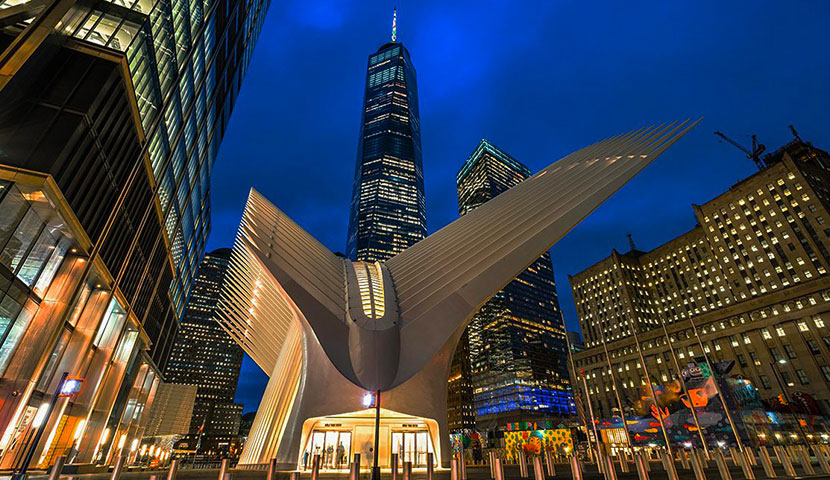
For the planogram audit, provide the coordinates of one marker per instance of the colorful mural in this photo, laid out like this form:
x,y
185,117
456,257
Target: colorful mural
x,y
468,439
535,442
674,408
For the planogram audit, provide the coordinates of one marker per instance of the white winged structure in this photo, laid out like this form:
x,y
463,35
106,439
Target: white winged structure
x,y
329,330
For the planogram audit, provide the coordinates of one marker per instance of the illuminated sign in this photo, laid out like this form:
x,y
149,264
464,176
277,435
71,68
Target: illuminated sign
x,y
71,386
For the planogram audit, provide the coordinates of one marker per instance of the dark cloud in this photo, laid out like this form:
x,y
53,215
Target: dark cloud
x,y
539,79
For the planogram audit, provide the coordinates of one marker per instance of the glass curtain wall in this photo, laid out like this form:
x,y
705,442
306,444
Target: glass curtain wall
x,y
43,334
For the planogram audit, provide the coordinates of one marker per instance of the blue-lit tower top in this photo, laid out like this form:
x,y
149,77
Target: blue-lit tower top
x,y
388,210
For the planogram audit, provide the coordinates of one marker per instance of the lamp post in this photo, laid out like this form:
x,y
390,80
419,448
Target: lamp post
x,y
66,388
375,465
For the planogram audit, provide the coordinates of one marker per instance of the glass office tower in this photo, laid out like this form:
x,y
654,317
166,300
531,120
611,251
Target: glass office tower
x,y
388,211
111,115
206,356
517,344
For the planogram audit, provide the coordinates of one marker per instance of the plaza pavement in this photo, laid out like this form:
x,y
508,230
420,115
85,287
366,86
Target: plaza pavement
x,y
511,472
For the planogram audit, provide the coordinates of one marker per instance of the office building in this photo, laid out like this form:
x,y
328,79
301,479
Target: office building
x,y
460,400
575,340
111,114
517,346
388,210
751,278
206,356
397,326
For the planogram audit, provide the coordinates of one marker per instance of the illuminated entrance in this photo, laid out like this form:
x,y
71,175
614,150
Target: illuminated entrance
x,y
337,438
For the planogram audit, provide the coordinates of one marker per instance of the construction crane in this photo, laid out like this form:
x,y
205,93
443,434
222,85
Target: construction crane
x,y
754,154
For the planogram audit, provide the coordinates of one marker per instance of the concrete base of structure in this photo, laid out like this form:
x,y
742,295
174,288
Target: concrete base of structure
x,y
328,411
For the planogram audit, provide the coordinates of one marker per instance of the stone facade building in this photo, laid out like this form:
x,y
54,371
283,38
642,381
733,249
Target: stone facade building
x,y
748,283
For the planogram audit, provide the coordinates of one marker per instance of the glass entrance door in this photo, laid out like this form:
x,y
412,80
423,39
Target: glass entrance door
x,y
411,447
333,447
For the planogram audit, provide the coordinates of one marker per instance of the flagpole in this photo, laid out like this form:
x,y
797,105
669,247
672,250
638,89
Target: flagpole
x,y
575,390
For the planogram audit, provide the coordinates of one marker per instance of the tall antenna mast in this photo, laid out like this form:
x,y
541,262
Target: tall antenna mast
x,y
394,24
631,242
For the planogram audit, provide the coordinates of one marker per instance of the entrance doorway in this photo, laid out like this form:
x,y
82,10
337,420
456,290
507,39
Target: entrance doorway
x,y
333,447
412,447
337,438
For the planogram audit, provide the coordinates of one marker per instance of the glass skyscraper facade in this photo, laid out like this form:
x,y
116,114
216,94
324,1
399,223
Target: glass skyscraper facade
x,y
206,356
111,115
388,210
517,339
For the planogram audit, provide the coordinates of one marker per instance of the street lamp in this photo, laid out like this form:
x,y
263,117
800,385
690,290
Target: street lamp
x,y
368,399
66,388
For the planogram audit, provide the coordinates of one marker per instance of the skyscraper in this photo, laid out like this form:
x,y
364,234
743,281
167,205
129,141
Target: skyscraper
x,y
206,356
111,115
517,344
388,211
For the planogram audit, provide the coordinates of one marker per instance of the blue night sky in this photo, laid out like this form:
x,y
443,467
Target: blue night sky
x,y
538,79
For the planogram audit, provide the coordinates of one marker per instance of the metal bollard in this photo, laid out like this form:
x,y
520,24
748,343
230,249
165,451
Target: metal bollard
x,y
523,465
407,470
822,459
806,463
723,468
462,465
119,466
315,467
354,472
750,455
610,471
499,469
152,477
294,476
777,453
454,468
642,465
766,462
746,465
550,464
697,464
394,466
491,455
684,459
576,469
55,471
736,460
272,469
223,468
174,470
784,459
668,466
538,473
601,465
430,466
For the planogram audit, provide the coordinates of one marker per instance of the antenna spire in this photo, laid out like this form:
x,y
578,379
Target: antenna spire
x,y
394,24
631,242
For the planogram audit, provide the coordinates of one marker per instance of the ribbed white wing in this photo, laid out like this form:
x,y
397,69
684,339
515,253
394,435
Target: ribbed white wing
x,y
443,279
279,272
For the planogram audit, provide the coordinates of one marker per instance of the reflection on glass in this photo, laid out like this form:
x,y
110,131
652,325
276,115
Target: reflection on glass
x,y
15,333
37,256
23,236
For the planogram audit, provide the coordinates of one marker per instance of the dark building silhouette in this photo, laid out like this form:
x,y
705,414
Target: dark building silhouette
x,y
517,346
206,356
388,211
